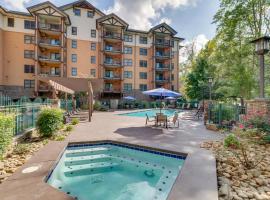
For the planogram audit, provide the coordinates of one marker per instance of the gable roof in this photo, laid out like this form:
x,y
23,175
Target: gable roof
x,y
113,19
46,4
82,4
164,26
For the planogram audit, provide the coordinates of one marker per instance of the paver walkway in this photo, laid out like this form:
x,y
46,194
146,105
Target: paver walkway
x,y
197,179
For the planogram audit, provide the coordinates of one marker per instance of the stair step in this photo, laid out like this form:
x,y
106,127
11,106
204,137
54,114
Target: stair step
x,y
70,161
86,151
79,170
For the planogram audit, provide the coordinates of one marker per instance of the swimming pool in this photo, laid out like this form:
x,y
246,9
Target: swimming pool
x,y
150,113
115,171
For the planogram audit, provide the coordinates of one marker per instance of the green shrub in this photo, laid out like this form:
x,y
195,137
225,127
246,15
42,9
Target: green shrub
x,y
266,138
68,128
6,132
49,121
59,137
21,149
97,105
75,121
231,141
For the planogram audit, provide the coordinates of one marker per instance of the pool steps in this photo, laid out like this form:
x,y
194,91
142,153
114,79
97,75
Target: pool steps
x,y
86,151
80,160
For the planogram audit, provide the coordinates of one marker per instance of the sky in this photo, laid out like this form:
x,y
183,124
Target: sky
x,y
192,19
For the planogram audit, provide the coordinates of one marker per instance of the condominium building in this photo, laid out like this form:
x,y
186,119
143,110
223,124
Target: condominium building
x,y
78,41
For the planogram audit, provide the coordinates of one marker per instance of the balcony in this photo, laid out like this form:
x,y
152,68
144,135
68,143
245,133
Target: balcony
x,y
112,36
111,90
112,77
50,43
163,55
48,74
162,80
54,59
112,64
112,50
51,29
163,43
162,67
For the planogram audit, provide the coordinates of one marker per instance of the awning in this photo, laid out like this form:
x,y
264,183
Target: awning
x,y
60,87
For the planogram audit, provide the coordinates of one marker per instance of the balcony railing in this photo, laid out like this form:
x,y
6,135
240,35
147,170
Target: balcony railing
x,y
44,88
162,80
112,77
111,90
50,27
50,58
50,42
162,67
113,63
112,35
163,42
112,49
47,74
163,54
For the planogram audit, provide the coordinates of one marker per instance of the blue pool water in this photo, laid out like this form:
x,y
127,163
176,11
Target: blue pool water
x,y
115,172
150,113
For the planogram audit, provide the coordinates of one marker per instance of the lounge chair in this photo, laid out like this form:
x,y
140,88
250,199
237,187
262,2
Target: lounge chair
x,y
149,120
174,120
183,106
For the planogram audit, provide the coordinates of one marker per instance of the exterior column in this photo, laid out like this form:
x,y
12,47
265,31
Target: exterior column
x,y
261,78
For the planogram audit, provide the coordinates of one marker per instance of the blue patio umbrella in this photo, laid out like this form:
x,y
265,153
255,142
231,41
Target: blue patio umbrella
x,y
170,98
162,92
130,98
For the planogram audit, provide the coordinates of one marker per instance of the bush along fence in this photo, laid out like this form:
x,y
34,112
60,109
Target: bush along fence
x,y
224,115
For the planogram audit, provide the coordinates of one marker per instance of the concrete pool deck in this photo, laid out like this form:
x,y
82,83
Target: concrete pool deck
x,y
196,181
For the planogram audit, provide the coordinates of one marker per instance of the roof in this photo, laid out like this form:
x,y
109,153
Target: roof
x,y
169,28
266,37
80,3
39,6
15,12
113,16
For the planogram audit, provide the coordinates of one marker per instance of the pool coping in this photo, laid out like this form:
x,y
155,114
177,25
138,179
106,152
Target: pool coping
x,y
142,110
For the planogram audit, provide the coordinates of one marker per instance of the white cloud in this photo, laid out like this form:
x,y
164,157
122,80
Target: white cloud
x,y
192,47
166,20
140,14
16,4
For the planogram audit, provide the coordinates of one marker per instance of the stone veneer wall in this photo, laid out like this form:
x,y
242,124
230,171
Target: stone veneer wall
x,y
15,92
259,105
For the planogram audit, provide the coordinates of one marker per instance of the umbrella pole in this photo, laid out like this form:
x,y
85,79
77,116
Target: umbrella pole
x,y
160,103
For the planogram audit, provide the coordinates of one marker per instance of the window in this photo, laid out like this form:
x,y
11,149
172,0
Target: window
x,y
127,74
29,24
10,22
74,44
77,12
74,30
74,58
29,54
74,71
90,13
143,87
93,59
127,62
127,86
127,38
29,39
173,43
143,63
172,66
93,72
127,50
93,46
143,52
172,77
143,75
172,87
143,40
93,33
29,83
29,69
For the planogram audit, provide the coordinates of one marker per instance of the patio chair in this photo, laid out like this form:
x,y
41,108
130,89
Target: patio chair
x,y
161,118
183,106
199,113
174,120
149,120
